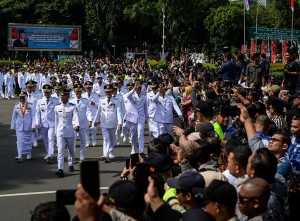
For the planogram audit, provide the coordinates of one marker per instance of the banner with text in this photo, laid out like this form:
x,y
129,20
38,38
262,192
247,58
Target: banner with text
x,y
26,37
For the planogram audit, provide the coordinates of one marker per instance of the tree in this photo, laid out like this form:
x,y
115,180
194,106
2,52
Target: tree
x,y
225,26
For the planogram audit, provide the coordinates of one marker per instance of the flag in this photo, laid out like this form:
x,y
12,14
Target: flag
x,y
292,4
247,4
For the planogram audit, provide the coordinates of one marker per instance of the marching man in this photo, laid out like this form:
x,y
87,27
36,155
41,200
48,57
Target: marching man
x,y
45,120
66,122
110,119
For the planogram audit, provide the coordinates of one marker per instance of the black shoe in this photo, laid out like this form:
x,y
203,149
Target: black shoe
x,y
60,173
106,160
71,169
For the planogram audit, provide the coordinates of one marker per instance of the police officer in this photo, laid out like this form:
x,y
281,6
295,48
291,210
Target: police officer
x,y
66,122
110,120
164,111
82,105
24,124
120,84
136,116
45,120
93,103
153,130
57,90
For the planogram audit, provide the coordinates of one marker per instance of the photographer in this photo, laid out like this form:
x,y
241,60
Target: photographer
x,y
228,68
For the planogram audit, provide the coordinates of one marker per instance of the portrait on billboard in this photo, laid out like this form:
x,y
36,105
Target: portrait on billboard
x,y
31,37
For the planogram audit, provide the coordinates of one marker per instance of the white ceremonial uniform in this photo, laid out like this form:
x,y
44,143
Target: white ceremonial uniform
x,y
135,119
66,119
153,130
37,94
81,105
37,78
1,84
91,113
122,90
99,89
110,117
9,81
22,80
23,124
33,99
45,118
164,113
44,79
122,109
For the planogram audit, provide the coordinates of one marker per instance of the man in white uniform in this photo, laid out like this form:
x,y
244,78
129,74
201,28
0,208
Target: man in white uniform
x,y
136,116
1,82
153,130
93,103
122,109
22,79
66,122
164,111
81,105
9,82
99,87
110,120
45,120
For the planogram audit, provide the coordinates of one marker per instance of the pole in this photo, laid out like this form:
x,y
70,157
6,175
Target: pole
x,y
163,37
245,29
256,28
292,28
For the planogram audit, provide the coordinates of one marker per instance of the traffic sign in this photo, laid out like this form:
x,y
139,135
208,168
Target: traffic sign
x,y
274,34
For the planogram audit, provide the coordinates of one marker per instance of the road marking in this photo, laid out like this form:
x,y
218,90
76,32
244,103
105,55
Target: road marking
x,y
37,193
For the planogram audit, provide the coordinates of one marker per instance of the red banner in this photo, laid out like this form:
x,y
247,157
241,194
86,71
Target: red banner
x,y
264,46
243,49
284,49
292,4
274,51
253,49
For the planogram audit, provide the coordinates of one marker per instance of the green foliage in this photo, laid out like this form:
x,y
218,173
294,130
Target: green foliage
x,y
209,65
157,65
276,69
66,62
8,63
224,27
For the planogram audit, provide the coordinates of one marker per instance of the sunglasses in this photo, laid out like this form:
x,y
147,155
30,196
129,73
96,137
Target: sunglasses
x,y
273,139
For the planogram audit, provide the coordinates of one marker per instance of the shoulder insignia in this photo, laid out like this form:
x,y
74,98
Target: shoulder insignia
x,y
72,104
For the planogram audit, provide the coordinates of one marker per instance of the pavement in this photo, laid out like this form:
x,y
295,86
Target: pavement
x,y
25,185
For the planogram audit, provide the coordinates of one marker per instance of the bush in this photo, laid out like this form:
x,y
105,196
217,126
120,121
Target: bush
x,y
209,65
276,69
157,65
66,62
9,63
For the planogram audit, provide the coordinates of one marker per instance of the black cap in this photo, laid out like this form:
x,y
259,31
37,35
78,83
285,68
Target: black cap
x,y
78,87
187,181
205,108
125,194
88,84
29,83
23,94
53,79
47,88
130,85
64,92
205,127
108,87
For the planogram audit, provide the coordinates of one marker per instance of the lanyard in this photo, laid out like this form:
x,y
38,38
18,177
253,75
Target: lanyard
x,y
23,110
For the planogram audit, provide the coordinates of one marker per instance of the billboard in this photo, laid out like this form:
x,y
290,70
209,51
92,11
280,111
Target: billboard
x,y
36,37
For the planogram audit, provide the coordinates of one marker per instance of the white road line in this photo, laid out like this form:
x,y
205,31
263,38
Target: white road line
x,y
37,193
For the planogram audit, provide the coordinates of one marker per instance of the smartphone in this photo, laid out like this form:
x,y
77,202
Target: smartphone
x,y
65,197
89,178
127,163
134,159
142,172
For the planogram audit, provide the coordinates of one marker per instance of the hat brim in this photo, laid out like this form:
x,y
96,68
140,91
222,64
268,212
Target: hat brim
x,y
47,90
108,90
173,183
78,89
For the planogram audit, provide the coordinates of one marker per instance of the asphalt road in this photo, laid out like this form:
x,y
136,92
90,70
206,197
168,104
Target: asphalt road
x,y
25,185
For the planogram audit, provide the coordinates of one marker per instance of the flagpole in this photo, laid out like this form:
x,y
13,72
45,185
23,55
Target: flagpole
x,y
245,29
292,28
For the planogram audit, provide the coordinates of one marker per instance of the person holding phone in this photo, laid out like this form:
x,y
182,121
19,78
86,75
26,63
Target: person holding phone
x,y
66,122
